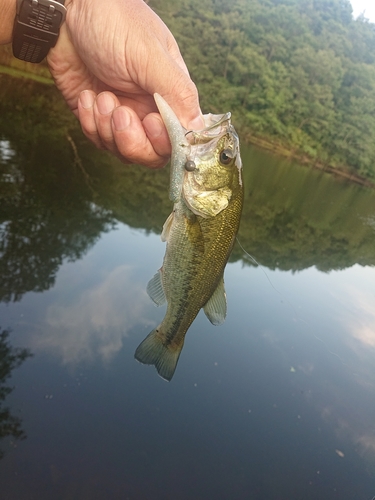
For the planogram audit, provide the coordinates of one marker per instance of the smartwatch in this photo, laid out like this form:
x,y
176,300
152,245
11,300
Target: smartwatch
x,y
36,28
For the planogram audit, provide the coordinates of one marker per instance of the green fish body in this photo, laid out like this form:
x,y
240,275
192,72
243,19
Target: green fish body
x,y
207,191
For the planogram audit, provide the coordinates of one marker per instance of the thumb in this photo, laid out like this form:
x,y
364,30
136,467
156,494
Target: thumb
x,y
170,78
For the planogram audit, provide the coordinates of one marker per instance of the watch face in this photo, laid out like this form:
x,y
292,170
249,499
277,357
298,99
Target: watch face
x,y
36,28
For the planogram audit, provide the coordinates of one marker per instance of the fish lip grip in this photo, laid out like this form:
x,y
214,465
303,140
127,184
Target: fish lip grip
x,y
36,28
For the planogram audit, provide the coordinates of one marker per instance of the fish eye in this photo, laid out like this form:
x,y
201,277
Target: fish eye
x,y
226,156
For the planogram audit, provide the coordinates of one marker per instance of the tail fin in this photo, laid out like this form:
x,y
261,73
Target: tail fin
x,y
152,351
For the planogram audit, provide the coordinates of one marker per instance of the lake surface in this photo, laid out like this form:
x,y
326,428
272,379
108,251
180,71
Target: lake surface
x,y
278,403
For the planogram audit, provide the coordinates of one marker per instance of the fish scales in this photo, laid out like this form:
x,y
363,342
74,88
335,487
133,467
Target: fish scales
x,y
206,186
191,270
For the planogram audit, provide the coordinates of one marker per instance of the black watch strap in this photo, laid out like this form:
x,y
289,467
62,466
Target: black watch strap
x,y
36,28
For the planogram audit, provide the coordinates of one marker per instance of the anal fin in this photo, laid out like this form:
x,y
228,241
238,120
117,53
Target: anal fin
x,y
216,307
155,289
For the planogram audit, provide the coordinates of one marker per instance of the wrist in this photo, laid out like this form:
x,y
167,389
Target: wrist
x,y
6,21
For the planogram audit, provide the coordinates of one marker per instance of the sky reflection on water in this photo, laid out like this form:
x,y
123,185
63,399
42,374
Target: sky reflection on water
x,y
278,401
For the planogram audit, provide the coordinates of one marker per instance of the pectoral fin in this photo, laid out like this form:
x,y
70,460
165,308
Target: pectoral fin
x,y
155,289
216,307
167,227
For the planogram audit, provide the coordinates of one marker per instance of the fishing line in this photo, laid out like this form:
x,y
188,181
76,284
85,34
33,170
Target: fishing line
x,y
193,139
261,267
270,282
190,165
291,305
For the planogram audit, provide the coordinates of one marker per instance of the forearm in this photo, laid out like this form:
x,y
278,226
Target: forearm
x,y
8,13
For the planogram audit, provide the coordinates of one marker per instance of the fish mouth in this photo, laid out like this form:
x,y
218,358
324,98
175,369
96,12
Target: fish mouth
x,y
187,144
216,127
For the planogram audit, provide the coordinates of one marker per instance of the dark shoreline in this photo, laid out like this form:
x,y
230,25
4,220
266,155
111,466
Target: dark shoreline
x,y
305,160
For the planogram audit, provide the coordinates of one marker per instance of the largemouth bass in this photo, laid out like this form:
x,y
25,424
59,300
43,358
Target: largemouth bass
x,y
207,191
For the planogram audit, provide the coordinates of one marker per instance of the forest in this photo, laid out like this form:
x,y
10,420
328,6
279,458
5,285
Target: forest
x,y
297,75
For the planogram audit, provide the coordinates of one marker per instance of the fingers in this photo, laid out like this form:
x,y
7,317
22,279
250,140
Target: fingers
x,y
157,134
119,129
146,142
180,92
86,117
104,105
157,66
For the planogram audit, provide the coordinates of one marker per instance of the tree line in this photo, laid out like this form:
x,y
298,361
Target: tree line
x,y
298,75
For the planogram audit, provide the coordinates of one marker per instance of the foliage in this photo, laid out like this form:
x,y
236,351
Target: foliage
x,y
300,73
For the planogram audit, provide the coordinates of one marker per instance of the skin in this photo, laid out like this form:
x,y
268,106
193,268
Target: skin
x,y
107,64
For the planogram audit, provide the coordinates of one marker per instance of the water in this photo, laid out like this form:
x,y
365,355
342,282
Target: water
x,y
277,403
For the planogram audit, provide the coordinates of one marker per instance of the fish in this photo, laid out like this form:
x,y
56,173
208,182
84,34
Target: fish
x,y
206,188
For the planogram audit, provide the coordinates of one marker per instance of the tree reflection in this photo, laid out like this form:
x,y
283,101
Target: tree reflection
x,y
47,211
295,218
58,194
10,358
42,225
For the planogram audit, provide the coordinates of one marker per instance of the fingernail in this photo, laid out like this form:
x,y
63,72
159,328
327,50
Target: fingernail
x,y
121,119
87,99
154,127
196,124
105,103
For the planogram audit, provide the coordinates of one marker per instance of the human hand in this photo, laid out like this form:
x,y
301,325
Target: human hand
x,y
108,62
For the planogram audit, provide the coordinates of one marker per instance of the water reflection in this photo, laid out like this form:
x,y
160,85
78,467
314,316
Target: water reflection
x,y
6,152
279,401
296,218
58,195
90,325
47,214
330,351
10,358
